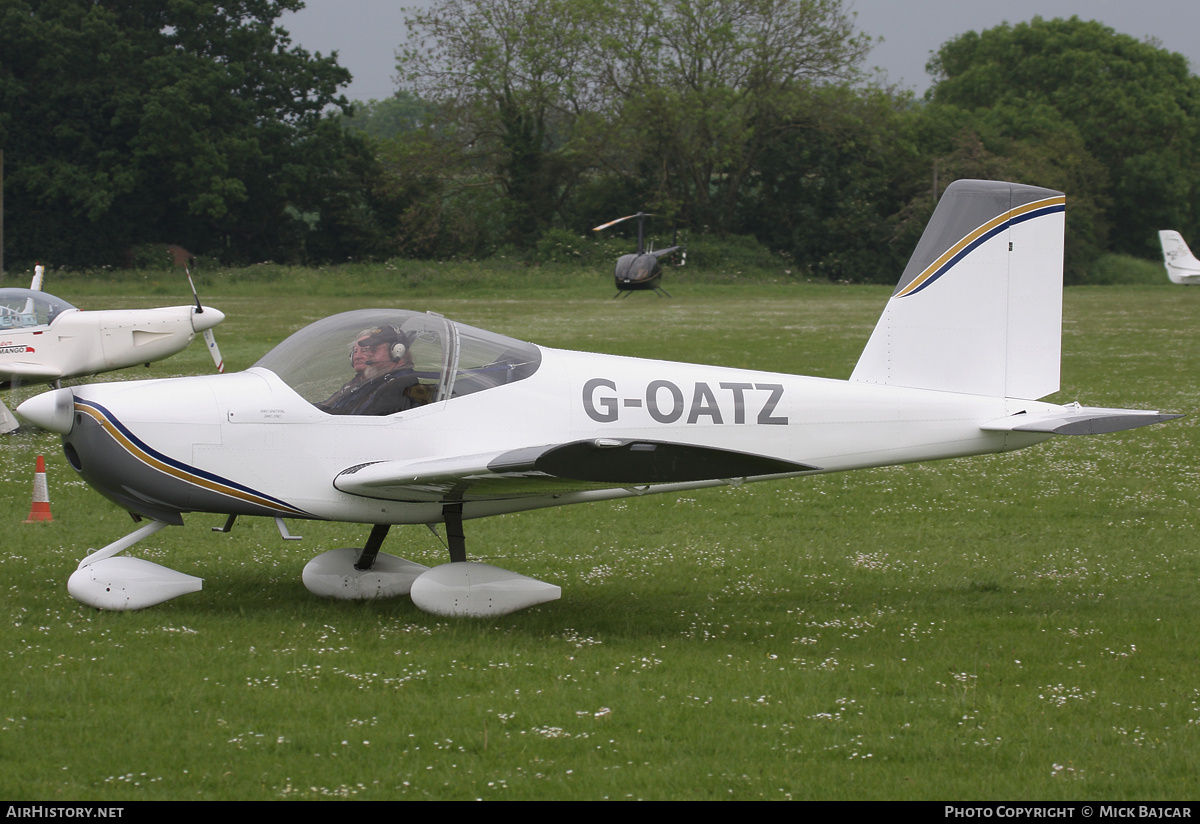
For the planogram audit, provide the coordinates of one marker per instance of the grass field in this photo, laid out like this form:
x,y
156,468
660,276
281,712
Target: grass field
x,y
1020,626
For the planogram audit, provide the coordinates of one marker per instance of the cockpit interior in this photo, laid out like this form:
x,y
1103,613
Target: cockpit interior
x,y
27,308
447,359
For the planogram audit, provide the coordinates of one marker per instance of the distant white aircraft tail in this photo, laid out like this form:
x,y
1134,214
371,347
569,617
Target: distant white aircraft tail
x,y
978,309
1182,266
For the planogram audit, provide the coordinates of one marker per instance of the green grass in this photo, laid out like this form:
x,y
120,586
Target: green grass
x,y
1008,627
1123,269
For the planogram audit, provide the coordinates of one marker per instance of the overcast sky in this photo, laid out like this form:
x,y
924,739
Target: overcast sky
x,y
365,33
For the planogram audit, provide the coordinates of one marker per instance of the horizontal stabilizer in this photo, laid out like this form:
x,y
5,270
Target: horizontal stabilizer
x,y
1078,420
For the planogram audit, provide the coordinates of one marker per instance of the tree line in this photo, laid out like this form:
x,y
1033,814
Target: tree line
x,y
520,124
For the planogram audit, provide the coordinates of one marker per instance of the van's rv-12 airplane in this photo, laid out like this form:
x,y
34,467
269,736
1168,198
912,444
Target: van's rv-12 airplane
x,y
487,424
44,339
1182,266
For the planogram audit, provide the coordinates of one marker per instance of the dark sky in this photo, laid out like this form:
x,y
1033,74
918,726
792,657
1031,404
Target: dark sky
x,y
365,33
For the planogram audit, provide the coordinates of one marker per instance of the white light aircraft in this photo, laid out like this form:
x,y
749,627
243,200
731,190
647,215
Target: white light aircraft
x,y
479,424
44,339
1182,266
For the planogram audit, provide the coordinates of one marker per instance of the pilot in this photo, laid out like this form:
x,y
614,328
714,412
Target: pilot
x,y
384,381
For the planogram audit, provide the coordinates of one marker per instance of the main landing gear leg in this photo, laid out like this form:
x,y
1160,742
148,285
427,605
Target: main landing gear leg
x,y
457,541
371,550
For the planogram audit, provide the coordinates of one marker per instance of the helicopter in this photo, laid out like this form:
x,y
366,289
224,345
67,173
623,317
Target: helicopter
x,y
642,269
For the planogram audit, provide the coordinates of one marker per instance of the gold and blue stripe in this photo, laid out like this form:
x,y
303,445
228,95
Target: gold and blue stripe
x,y
947,260
147,456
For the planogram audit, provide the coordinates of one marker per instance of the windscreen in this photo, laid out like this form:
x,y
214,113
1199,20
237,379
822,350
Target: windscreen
x,y
442,358
23,308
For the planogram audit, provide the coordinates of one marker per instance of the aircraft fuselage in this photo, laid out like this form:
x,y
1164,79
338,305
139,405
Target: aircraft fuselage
x,y
248,444
80,343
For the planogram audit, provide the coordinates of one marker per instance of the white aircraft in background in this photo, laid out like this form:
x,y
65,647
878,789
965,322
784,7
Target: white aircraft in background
x,y
1182,266
444,423
44,339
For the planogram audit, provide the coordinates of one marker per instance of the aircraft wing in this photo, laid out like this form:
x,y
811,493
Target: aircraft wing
x,y
28,371
604,463
1078,420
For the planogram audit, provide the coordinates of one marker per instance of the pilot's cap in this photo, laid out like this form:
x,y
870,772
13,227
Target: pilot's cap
x,y
381,334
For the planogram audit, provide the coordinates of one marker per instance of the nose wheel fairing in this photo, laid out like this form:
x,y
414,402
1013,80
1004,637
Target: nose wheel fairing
x,y
119,584
105,581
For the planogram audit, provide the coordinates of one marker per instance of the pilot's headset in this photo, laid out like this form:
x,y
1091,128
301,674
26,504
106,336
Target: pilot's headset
x,y
397,348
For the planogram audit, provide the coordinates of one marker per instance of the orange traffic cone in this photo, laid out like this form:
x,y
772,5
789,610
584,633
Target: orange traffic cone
x,y
40,510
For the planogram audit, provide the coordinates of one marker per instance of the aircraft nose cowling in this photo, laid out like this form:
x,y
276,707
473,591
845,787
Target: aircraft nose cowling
x,y
53,411
207,319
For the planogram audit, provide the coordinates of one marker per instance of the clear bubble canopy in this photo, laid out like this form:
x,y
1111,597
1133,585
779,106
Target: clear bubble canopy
x,y
449,359
23,308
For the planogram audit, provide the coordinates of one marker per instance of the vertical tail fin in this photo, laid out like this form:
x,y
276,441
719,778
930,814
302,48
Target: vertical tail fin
x,y
978,309
1182,266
